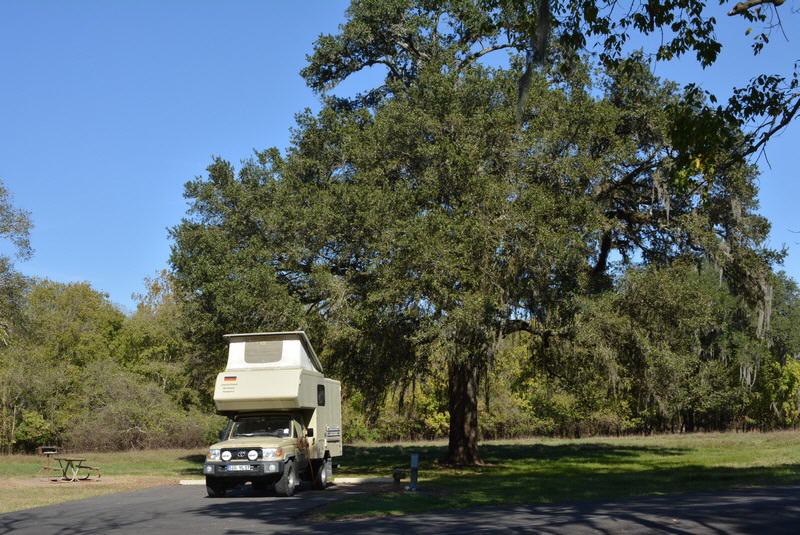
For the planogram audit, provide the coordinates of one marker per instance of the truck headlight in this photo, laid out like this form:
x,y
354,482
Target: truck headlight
x,y
213,455
272,453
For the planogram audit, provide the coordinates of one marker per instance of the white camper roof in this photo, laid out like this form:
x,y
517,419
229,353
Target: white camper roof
x,y
308,355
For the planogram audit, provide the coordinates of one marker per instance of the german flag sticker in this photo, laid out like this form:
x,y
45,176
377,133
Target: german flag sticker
x,y
229,379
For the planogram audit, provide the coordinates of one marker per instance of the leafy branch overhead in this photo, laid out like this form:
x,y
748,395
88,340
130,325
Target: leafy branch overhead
x,y
407,36
743,8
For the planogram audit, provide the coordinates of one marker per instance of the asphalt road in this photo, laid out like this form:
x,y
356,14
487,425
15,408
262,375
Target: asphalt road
x,y
187,510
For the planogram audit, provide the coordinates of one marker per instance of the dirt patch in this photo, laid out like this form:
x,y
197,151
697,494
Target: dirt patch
x,y
105,481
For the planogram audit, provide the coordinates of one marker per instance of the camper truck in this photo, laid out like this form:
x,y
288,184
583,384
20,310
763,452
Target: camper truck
x,y
284,416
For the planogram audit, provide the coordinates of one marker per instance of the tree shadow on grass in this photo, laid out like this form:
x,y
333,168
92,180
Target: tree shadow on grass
x,y
555,483
382,459
553,501
197,465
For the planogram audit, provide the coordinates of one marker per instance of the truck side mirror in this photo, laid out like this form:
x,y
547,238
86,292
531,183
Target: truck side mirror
x,y
310,432
222,434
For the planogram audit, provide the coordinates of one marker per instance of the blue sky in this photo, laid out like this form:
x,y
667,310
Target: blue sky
x,y
108,107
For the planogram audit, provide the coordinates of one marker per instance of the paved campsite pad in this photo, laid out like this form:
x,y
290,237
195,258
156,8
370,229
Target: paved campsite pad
x,y
177,509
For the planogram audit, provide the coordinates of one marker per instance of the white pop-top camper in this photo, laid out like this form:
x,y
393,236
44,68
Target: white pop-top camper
x,y
268,371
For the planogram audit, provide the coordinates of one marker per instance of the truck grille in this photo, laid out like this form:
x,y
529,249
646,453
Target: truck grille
x,y
240,454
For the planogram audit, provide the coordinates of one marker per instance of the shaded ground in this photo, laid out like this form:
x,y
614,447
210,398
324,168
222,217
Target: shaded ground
x,y
187,510
553,471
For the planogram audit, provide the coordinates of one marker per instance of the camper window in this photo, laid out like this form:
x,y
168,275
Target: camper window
x,y
262,426
263,352
321,395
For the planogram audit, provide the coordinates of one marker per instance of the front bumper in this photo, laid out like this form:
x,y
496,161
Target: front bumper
x,y
257,469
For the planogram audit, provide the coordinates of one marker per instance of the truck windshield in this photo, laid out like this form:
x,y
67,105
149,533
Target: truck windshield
x,y
262,426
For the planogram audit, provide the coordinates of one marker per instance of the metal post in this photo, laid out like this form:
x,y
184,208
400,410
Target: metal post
x,y
414,471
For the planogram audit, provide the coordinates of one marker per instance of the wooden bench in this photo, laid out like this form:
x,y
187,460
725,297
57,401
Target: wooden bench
x,y
48,468
89,470
50,471
73,469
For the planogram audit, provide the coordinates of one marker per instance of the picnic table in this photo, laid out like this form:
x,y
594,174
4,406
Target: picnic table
x,y
71,467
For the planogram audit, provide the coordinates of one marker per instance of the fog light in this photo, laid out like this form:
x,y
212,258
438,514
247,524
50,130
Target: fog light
x,y
252,455
209,469
272,467
226,455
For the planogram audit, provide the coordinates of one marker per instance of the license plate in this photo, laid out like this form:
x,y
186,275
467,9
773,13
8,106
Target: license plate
x,y
238,467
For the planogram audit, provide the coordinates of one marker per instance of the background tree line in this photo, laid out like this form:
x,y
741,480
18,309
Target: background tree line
x,y
78,372
559,242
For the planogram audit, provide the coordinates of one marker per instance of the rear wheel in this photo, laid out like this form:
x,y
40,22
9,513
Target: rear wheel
x,y
321,474
287,483
214,487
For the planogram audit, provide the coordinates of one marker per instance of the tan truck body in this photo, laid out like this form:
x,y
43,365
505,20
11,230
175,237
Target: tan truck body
x,y
276,374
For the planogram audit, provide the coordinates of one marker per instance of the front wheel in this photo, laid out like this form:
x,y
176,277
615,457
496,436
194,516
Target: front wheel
x,y
214,487
287,483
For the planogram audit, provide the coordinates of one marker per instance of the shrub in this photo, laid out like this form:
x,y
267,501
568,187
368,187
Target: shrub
x,y
33,431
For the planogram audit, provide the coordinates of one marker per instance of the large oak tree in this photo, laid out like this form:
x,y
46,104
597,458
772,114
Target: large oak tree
x,y
419,223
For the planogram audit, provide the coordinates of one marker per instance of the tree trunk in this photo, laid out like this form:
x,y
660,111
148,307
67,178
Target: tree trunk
x,y
463,405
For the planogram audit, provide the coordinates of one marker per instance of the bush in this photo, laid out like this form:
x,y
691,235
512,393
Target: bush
x,y
33,431
125,412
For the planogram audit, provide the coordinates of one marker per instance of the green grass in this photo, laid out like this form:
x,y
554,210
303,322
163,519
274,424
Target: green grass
x,y
166,463
547,471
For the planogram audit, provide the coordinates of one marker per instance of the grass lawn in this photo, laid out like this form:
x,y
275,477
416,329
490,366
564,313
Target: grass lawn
x,y
23,486
525,471
547,471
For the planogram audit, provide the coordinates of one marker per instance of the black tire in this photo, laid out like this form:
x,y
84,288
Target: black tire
x,y
215,488
321,474
286,484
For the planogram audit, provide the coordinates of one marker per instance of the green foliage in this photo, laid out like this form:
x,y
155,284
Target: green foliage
x,y
412,37
121,411
151,343
15,226
777,404
33,431
79,373
74,323
415,229
669,349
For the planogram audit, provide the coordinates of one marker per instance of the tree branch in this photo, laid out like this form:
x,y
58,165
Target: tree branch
x,y
536,54
601,266
512,326
480,53
647,165
392,68
743,7
787,117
